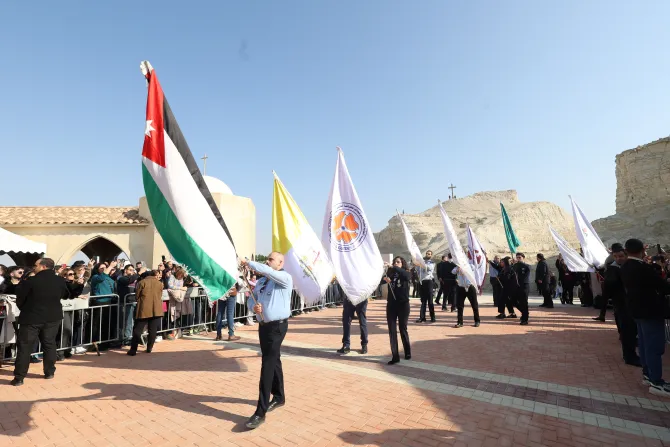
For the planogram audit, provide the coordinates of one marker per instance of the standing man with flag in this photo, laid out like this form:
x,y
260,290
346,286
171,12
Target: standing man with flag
x,y
271,302
349,241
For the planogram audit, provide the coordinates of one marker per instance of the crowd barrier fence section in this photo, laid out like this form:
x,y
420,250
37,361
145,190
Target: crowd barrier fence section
x,y
98,322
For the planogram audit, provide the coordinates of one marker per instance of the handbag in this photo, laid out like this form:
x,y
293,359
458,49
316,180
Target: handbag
x,y
177,295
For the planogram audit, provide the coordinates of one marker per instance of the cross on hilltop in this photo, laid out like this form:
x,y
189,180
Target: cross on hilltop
x,y
452,187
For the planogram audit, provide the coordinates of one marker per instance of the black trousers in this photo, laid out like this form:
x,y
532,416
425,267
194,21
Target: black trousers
x,y
544,291
627,332
348,311
138,329
440,292
28,335
427,299
505,301
450,293
471,295
497,292
271,335
568,291
522,301
398,311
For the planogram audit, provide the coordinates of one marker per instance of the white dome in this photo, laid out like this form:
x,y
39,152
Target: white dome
x,y
217,186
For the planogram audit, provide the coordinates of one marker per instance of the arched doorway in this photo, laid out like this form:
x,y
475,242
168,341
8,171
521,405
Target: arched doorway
x,y
101,248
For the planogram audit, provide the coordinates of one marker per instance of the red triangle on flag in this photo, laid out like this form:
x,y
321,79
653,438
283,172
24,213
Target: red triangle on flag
x,y
154,133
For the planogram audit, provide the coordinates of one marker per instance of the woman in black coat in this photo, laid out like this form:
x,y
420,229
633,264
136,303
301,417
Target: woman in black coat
x,y
397,306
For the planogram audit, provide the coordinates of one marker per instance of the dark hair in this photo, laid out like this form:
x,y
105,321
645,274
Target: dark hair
x,y
506,261
449,255
152,273
26,273
617,247
129,266
402,261
47,263
444,257
540,256
634,246
521,254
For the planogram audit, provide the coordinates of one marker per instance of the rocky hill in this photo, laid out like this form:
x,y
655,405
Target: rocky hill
x,y
642,196
482,212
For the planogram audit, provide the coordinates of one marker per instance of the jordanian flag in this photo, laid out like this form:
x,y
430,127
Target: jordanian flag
x,y
181,205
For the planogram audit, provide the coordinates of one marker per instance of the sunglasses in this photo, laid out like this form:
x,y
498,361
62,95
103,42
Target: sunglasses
x,y
70,274
19,272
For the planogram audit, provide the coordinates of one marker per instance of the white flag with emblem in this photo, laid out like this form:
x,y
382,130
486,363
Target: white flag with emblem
x,y
477,256
348,238
413,249
457,253
595,252
573,260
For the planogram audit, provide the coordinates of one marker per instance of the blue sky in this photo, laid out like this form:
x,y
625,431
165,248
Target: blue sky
x,y
526,95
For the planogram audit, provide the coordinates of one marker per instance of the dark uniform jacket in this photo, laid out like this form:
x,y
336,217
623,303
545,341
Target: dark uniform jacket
x,y
645,290
38,298
523,272
542,272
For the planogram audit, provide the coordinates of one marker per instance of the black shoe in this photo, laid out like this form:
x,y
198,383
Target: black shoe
x,y
444,308
254,421
148,351
599,319
476,323
60,357
437,301
421,320
512,315
458,325
500,317
432,320
131,353
274,404
16,382
393,361
364,349
67,354
218,338
48,376
541,305
408,356
344,350
453,309
524,323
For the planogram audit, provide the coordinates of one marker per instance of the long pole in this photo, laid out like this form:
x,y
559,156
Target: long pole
x,y
244,271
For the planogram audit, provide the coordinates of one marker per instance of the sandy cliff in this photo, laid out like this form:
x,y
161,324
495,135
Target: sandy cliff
x,y
642,197
482,212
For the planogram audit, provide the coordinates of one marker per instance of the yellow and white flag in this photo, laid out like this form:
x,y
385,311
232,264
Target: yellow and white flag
x,y
348,238
304,256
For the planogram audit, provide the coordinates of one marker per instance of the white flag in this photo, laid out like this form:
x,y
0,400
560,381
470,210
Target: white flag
x,y
413,249
573,260
595,252
348,238
477,256
457,253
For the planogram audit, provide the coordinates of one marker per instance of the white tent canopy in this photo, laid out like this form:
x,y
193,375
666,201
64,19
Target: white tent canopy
x,y
13,243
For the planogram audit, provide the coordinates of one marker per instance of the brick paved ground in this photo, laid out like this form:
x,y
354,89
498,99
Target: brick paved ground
x,y
557,382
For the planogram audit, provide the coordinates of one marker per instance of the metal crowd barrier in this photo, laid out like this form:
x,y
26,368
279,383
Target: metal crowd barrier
x,y
108,320
90,323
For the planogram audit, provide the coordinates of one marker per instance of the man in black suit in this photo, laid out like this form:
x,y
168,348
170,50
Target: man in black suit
x,y
646,301
38,299
449,283
542,277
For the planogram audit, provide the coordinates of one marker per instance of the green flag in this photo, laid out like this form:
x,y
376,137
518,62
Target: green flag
x,y
512,240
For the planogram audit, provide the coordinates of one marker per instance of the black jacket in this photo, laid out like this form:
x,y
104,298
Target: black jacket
x,y
399,285
38,298
542,272
523,272
613,288
645,290
445,269
123,286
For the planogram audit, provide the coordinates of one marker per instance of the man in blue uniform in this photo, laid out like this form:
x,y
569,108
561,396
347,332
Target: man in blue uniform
x,y
271,303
